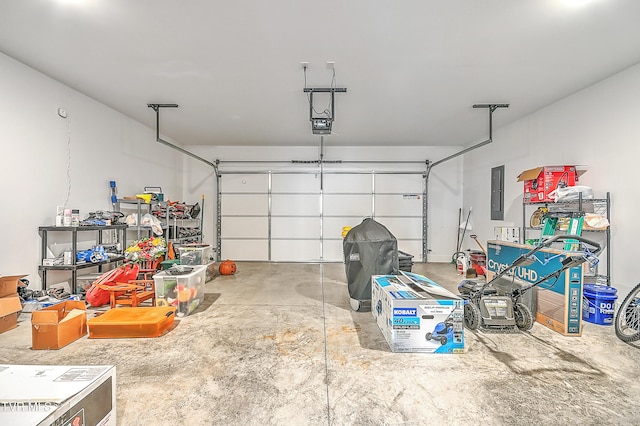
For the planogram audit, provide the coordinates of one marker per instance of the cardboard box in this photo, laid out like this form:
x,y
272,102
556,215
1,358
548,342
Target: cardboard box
x,y
415,314
558,301
542,181
58,325
507,233
57,395
10,306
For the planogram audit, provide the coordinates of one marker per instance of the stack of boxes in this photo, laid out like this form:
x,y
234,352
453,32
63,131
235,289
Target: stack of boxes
x,y
10,306
198,254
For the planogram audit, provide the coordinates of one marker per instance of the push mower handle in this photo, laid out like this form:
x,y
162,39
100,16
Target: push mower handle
x,y
594,247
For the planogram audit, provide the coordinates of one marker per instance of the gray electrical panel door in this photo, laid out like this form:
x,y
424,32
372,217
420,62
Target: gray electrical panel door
x,y
497,193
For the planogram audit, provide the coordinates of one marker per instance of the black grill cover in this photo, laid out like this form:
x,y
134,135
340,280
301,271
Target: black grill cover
x,y
369,249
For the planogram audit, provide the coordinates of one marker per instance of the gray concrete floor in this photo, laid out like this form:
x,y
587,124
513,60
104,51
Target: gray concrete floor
x,y
278,344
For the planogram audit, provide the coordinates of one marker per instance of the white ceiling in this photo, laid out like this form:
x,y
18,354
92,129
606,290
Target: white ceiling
x,y
412,68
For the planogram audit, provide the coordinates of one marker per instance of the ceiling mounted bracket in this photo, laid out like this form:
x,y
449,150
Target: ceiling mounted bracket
x,y
156,108
492,108
322,125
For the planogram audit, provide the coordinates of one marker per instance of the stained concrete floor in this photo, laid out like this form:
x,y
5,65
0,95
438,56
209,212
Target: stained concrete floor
x,y
278,344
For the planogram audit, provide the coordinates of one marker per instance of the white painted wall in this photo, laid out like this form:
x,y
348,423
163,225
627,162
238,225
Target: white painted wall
x,y
598,127
445,183
103,145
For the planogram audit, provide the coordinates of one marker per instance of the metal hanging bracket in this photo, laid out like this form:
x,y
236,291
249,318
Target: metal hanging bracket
x,y
322,125
492,108
156,108
430,165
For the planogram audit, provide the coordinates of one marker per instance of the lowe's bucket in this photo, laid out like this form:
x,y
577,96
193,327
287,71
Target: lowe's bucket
x,y
598,303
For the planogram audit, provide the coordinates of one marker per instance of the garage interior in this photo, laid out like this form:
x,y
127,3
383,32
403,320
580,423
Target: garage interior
x,y
287,124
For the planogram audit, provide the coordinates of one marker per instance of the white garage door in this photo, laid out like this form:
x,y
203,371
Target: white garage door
x,y
299,216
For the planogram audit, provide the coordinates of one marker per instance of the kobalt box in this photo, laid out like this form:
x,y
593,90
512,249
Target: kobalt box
x,y
415,314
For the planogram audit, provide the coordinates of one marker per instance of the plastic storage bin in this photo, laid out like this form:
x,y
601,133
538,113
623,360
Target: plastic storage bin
x,y
132,322
199,254
181,287
405,261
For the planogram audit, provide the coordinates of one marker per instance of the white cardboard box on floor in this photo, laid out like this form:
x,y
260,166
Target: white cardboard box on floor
x,y
417,315
51,394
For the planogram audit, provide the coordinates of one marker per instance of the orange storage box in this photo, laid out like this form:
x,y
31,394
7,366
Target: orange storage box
x,y
132,322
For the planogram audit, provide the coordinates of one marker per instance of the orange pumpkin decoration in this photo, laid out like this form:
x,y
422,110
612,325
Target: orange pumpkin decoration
x,y
228,267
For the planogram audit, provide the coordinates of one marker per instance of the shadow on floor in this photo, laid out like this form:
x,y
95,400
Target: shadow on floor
x,y
209,299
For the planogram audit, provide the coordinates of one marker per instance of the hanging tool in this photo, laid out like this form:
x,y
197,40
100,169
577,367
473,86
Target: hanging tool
x,y
475,237
453,260
460,256
201,218
464,230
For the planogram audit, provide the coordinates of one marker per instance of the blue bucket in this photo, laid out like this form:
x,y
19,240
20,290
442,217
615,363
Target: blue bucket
x,y
598,303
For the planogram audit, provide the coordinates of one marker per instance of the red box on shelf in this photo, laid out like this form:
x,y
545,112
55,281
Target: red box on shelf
x,y
542,181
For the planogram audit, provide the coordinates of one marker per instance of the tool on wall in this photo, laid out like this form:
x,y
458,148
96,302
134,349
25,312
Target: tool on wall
x,y
475,238
458,236
460,258
464,226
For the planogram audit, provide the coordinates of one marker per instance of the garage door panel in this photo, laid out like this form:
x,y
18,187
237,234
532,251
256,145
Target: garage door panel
x,y
301,183
413,248
244,204
295,204
347,205
245,227
399,183
257,250
333,251
332,226
244,183
347,183
295,227
295,250
409,228
290,231
398,205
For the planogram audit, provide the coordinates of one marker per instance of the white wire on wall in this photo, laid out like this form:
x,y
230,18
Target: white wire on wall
x,y
66,201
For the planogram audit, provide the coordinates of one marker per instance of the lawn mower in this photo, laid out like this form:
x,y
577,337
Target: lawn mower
x,y
503,310
443,332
